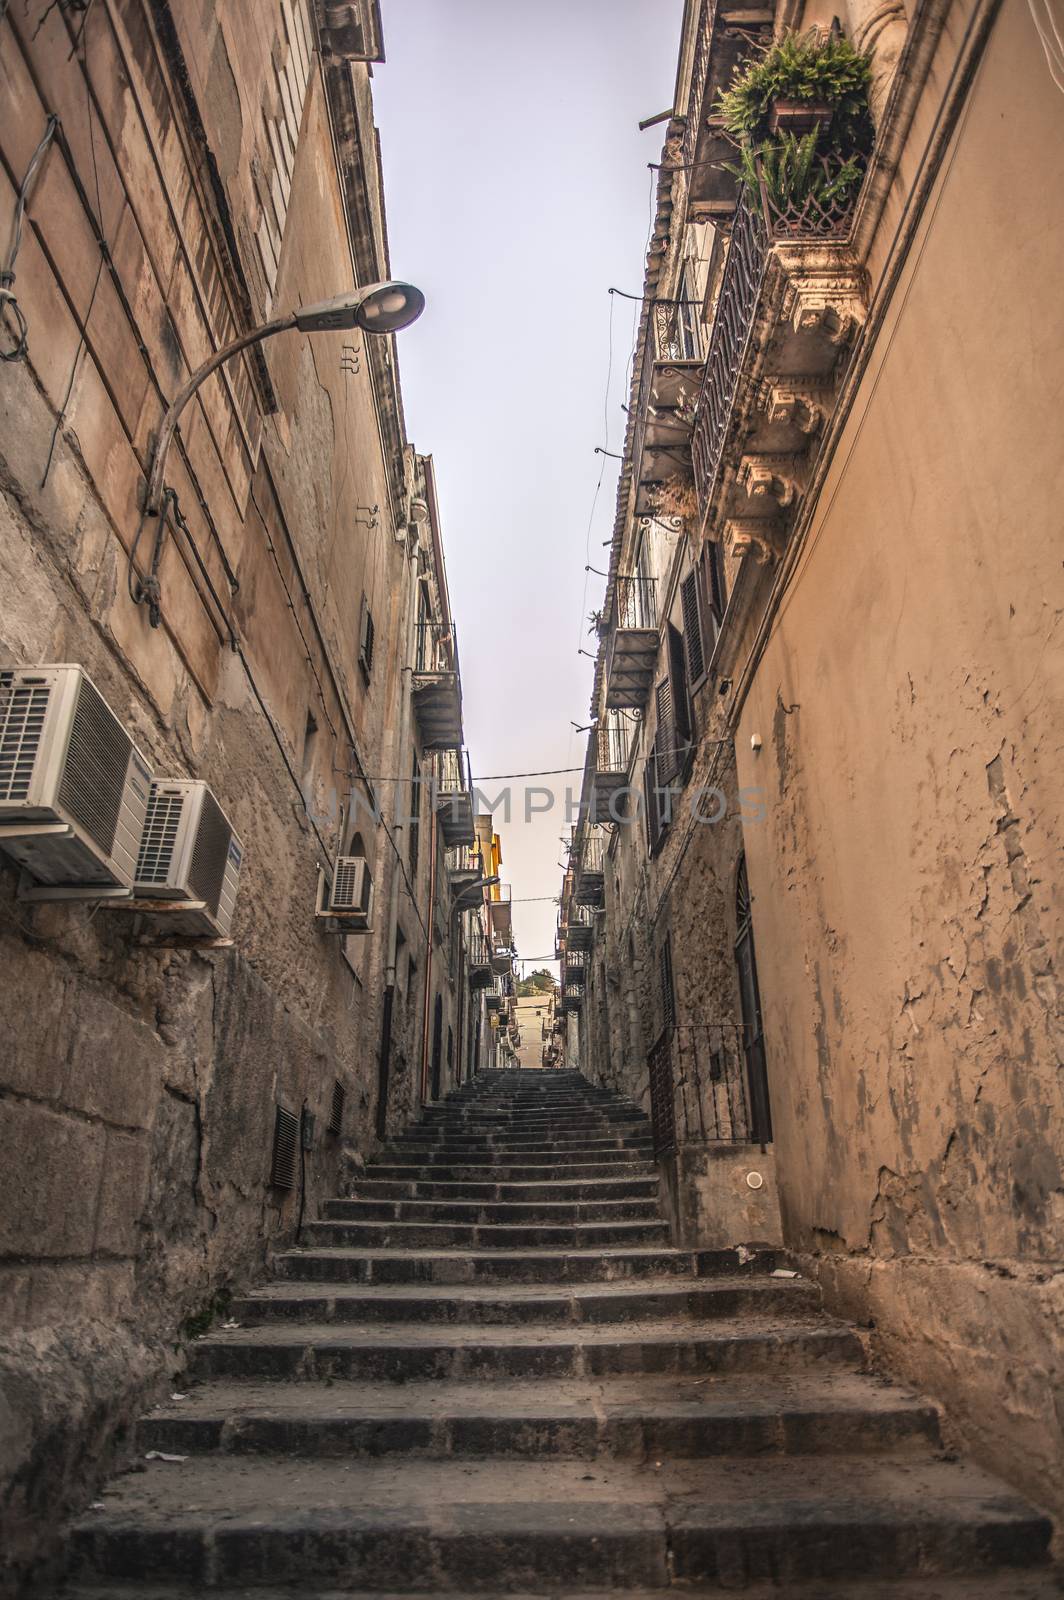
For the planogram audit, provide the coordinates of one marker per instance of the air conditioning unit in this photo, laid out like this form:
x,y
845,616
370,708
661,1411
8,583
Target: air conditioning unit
x,y
346,901
73,786
190,855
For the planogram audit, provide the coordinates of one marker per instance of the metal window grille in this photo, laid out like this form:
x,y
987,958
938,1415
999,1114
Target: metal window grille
x,y
336,1109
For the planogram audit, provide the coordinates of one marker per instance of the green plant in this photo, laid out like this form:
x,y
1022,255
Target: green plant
x,y
794,172
809,67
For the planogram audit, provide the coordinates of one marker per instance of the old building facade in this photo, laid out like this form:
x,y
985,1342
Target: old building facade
x,y
173,177
813,916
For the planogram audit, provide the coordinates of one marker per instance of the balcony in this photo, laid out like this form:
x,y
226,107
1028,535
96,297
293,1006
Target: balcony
x,y
465,868
789,299
728,32
614,740
669,384
454,798
480,973
574,969
493,998
632,652
500,920
579,931
573,996
436,690
591,868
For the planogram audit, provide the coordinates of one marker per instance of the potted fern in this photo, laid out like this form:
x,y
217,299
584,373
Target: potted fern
x,y
799,115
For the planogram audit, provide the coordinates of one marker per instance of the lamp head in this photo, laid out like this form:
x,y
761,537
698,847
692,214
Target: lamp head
x,y
376,308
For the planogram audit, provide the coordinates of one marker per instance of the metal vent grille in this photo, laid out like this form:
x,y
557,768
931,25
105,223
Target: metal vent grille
x,y
336,1110
285,1150
23,707
206,873
94,774
349,884
160,834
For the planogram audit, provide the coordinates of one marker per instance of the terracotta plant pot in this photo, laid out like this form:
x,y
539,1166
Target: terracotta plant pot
x,y
799,116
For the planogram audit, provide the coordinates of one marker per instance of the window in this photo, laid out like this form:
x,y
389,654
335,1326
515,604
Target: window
x,y
668,992
713,593
310,742
688,323
693,633
657,802
365,640
423,652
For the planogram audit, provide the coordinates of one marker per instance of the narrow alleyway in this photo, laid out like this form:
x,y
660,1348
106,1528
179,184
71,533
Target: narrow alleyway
x,y
488,1372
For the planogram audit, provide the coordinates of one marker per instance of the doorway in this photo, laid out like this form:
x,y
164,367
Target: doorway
x,y
750,1003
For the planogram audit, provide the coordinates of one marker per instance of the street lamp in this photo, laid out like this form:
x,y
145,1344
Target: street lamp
x,y
375,308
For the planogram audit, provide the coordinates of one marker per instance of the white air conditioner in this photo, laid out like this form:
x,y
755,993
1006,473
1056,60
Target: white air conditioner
x,y
73,787
189,853
347,899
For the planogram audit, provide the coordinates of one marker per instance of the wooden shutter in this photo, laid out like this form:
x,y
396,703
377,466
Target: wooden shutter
x,y
714,580
652,800
681,698
692,629
667,761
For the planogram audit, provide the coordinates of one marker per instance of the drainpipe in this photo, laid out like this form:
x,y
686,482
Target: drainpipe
x,y
399,824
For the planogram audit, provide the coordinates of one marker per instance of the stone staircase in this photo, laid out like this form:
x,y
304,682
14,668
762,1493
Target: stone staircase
x,y
490,1374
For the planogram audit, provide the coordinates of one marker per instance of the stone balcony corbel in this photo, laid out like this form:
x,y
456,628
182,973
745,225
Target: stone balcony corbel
x,y
771,477
764,538
825,291
799,407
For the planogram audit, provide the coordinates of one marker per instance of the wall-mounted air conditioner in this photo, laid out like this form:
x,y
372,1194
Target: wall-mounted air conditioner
x,y
346,900
189,855
73,787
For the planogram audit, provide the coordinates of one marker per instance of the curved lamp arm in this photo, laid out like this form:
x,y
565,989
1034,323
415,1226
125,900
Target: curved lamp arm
x,y
184,395
376,308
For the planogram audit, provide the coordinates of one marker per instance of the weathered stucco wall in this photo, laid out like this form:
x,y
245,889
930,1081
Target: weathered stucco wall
x,y
138,1079
906,882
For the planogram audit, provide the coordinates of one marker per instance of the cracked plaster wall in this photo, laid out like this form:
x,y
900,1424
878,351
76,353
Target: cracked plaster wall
x,y
907,885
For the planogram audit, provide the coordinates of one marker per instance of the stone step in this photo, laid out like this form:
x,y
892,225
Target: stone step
x,y
444,1170
403,1351
650,1419
488,1235
367,1208
227,1520
519,1305
372,1187
562,1145
602,1116
338,1265
1013,1584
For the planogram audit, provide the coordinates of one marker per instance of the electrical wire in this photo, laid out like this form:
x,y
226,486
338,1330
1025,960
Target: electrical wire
x,y
105,253
1053,49
8,302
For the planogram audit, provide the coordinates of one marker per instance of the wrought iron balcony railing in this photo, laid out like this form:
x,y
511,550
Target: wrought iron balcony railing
x,y
614,739
635,603
756,230
732,325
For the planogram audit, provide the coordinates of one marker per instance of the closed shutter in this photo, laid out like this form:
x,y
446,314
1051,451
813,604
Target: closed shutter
x,y
682,719
692,629
714,579
667,759
652,800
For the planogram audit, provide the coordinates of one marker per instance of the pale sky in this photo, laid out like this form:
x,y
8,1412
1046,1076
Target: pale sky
x,y
518,192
